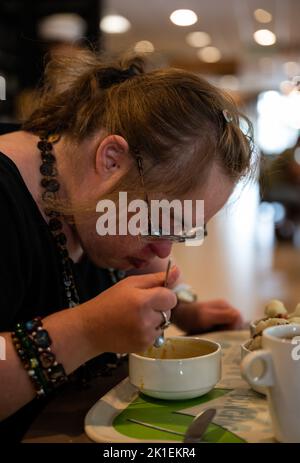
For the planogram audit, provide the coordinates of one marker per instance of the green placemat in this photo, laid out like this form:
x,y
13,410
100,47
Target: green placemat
x,y
164,413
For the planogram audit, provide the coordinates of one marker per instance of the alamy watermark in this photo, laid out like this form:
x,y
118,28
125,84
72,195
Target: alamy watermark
x,y
296,349
165,218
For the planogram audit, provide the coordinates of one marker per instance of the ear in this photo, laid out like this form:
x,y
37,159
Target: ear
x,y
112,157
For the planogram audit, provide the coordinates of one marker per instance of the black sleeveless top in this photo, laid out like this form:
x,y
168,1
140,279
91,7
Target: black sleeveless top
x,y
30,274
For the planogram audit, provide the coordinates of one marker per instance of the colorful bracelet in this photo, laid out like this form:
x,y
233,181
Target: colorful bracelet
x,y
55,371
28,355
32,344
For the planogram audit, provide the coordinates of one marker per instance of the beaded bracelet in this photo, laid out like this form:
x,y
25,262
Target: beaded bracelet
x,y
32,344
27,352
55,371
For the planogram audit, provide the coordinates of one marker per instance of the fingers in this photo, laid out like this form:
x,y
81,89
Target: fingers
x,y
238,323
218,314
159,299
223,312
153,280
226,316
218,304
158,319
174,277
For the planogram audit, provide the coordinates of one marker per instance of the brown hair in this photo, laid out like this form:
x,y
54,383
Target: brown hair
x,y
173,117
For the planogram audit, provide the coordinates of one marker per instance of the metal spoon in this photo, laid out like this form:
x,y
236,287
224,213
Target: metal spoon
x,y
160,340
199,425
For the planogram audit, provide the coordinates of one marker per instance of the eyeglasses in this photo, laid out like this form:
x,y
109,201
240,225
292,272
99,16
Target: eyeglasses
x,y
194,234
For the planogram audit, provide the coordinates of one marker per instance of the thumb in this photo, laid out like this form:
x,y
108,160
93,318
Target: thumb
x,y
152,280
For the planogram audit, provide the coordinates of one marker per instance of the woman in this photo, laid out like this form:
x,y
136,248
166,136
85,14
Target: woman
x,y
99,129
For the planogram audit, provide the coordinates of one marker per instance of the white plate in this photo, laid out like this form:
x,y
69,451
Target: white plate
x,y
98,423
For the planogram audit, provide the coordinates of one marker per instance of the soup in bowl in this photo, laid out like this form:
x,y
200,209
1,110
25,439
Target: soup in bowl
x,y
183,368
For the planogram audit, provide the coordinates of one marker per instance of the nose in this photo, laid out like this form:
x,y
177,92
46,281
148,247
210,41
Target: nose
x,y
161,248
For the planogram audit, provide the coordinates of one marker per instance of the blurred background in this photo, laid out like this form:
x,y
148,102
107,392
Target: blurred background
x,y
251,48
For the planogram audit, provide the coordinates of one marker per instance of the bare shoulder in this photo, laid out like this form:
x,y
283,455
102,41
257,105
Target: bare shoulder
x,y
15,144
21,148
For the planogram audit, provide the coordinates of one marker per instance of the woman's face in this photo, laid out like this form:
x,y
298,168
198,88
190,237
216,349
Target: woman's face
x,y
128,252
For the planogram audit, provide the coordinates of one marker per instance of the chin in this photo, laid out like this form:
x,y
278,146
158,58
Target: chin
x,y
126,266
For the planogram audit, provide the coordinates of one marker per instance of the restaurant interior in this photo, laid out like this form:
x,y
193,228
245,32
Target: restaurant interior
x,y
250,49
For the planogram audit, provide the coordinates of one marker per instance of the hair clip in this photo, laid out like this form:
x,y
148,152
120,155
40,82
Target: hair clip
x,y
227,115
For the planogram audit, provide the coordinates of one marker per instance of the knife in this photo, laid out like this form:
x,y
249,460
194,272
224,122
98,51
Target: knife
x,y
195,430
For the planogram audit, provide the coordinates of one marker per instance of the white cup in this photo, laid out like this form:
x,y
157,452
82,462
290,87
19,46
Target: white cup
x,y
281,377
245,351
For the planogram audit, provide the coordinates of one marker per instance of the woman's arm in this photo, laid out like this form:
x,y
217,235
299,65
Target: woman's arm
x,y
124,318
67,332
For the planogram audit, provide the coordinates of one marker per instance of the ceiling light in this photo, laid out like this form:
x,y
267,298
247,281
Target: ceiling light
x,y
262,16
198,39
114,24
264,37
209,54
183,17
144,46
62,26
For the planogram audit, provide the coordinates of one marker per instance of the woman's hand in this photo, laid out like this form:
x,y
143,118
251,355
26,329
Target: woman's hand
x,y
197,317
200,316
127,316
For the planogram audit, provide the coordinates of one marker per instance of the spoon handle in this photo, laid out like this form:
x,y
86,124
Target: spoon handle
x,y
160,340
167,274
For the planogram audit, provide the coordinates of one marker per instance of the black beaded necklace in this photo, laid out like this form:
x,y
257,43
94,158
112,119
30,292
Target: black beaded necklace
x,y
51,185
105,363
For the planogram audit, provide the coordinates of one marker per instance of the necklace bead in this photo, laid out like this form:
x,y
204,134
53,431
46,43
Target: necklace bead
x,y
61,239
48,157
48,169
44,145
53,186
55,224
